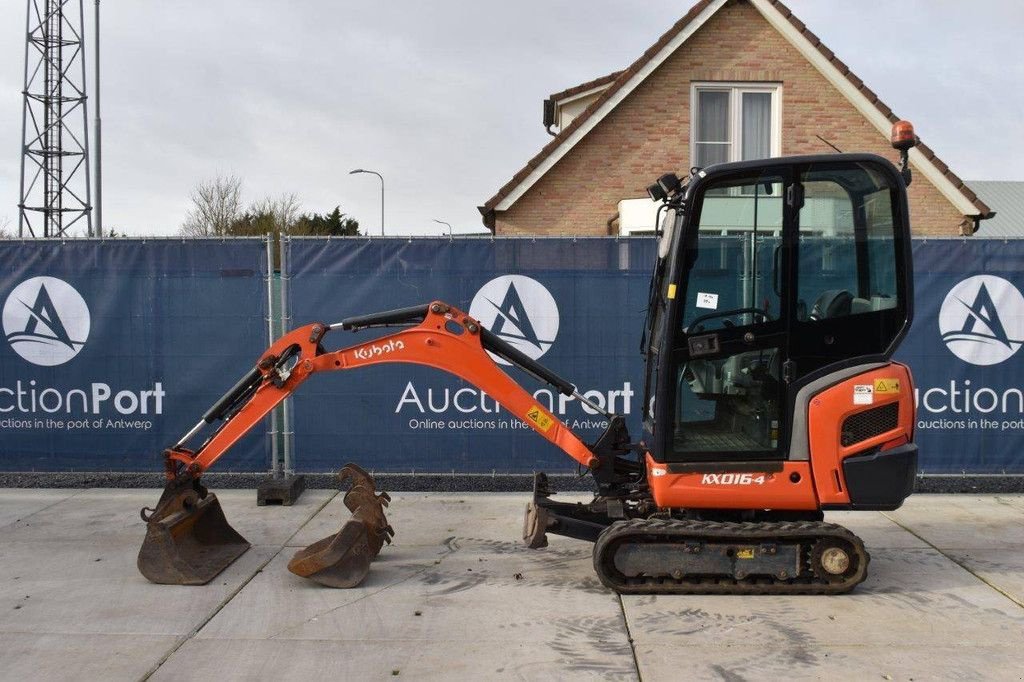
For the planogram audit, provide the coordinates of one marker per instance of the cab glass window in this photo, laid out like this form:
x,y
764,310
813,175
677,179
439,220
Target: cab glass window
x,y
847,247
734,280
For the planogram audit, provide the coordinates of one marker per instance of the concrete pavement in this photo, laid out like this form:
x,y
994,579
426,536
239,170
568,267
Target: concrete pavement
x,y
457,597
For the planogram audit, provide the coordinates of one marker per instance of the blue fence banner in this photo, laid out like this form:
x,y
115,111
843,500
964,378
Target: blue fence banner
x,y
115,348
576,305
964,351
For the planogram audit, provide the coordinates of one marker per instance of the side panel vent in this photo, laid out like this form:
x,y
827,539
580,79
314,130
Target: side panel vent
x,y
870,423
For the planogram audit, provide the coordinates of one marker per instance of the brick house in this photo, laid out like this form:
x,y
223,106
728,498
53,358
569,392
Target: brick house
x,y
731,80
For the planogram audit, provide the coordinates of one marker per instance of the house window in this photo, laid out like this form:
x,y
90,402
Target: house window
x,y
734,122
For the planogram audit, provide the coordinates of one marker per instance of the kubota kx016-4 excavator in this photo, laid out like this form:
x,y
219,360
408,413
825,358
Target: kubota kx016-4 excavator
x,y
770,396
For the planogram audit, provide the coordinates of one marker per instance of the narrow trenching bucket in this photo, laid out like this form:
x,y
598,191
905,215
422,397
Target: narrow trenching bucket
x,y
188,540
343,559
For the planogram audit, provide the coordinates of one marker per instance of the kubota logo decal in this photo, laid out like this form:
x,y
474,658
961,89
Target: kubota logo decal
x,y
520,310
375,351
982,320
46,321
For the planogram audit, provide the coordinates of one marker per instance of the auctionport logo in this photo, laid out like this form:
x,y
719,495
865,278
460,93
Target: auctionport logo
x,y
46,321
982,320
520,310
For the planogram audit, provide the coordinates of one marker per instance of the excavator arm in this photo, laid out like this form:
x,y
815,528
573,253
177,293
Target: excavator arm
x,y
435,335
188,539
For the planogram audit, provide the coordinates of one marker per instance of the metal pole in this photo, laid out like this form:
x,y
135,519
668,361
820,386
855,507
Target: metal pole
x,y
24,117
85,123
288,432
275,462
96,137
381,177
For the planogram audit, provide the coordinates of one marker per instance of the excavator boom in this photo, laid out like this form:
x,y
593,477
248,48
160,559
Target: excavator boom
x,y
189,541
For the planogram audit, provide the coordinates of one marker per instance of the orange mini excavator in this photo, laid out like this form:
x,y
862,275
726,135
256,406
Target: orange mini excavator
x,y
782,287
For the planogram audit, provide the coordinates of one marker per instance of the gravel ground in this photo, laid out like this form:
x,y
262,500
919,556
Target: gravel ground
x,y
452,482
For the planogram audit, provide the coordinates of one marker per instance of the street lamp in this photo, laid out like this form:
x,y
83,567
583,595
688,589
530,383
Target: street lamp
x,y
360,170
441,222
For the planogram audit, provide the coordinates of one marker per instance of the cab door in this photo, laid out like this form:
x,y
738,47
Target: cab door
x,y
723,385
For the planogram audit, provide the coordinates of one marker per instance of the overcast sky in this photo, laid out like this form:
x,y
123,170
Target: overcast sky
x,y
444,97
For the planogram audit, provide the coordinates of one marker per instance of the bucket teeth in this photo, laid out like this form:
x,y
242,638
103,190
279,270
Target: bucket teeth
x,y
343,559
188,539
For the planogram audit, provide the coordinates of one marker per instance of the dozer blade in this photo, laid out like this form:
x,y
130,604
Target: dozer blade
x,y
343,559
188,540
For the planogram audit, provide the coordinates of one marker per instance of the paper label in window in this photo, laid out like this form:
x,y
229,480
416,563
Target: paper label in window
x,y
709,301
863,394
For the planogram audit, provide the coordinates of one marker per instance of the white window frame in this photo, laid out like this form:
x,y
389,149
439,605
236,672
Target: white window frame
x,y
736,91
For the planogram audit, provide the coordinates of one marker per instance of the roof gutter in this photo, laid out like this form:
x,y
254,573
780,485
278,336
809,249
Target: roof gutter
x,y
978,218
488,217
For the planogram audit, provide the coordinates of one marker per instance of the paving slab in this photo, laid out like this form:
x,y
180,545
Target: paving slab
x,y
877,531
428,519
912,596
88,587
388,660
964,521
732,662
532,614
57,657
466,589
72,604
113,515
1001,568
16,505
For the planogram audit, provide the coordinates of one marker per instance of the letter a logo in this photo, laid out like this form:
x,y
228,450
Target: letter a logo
x,y
46,321
982,320
520,310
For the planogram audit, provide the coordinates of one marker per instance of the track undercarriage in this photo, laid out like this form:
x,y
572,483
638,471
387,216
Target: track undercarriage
x,y
639,550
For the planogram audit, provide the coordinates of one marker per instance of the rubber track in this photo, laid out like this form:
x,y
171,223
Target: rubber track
x,y
660,530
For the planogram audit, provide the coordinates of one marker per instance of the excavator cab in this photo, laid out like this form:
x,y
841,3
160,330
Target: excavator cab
x,y
778,278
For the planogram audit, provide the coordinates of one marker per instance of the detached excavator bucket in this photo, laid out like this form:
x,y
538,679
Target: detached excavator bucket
x,y
343,559
188,540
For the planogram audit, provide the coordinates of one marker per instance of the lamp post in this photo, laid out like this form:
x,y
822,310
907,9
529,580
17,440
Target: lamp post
x,y
361,170
441,222
99,153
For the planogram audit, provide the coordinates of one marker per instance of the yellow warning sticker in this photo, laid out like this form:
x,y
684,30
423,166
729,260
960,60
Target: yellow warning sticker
x,y
538,417
747,553
671,291
887,385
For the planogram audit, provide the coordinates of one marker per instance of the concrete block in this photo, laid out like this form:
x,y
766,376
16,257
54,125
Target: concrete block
x,y
283,490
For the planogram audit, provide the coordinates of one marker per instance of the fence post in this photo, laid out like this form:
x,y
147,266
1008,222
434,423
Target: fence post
x,y
281,487
275,461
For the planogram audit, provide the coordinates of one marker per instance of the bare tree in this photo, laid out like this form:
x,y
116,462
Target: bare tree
x,y
5,228
216,205
284,210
